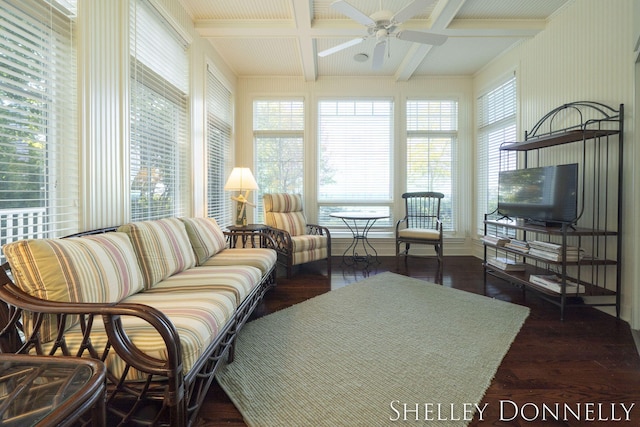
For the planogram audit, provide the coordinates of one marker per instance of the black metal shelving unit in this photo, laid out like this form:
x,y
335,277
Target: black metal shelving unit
x,y
594,138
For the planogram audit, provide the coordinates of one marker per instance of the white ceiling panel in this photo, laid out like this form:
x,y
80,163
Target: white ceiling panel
x,y
469,57
322,9
260,57
509,9
344,63
238,9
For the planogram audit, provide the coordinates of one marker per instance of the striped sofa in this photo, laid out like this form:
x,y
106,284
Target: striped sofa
x,y
159,302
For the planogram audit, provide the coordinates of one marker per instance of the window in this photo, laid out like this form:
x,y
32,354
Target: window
x,y
432,130
219,162
496,124
159,82
278,129
38,121
355,145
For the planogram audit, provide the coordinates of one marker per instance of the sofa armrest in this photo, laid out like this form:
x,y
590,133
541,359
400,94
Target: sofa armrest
x,y
318,229
281,240
321,230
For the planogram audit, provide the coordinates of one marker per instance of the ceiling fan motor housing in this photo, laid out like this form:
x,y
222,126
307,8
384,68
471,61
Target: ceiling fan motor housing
x,y
382,18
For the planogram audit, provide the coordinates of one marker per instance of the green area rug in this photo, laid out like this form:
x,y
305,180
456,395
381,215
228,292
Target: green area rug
x,y
383,351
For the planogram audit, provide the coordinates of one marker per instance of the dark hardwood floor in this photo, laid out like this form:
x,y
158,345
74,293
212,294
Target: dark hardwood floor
x,y
588,361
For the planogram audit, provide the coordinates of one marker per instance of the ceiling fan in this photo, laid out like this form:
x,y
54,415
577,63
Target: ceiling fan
x,y
382,25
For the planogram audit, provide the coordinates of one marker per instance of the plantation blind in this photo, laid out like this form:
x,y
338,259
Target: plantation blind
x,y
159,122
432,132
219,161
355,145
38,120
496,124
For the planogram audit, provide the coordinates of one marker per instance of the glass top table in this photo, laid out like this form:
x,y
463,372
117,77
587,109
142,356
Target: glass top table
x,y
51,390
360,249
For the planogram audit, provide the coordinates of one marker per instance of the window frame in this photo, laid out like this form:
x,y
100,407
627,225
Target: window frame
x,y
219,159
495,125
45,134
158,143
288,129
376,205
440,130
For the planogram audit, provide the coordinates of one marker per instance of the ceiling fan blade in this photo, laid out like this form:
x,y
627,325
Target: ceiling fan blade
x,y
420,37
409,11
340,47
378,54
353,13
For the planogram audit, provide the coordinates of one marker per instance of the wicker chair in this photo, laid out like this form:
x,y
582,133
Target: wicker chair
x,y
296,241
421,225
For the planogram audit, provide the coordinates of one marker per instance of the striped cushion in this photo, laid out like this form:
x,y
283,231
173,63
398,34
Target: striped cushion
x,y
309,248
262,258
206,237
236,281
197,314
311,255
96,269
284,211
308,242
163,248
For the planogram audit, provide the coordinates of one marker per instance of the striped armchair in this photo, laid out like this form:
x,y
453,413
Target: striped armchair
x,y
297,241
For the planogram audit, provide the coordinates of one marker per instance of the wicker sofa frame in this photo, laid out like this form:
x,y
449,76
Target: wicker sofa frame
x,y
167,396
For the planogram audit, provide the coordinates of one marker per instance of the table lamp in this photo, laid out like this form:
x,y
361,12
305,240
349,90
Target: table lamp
x,y
241,180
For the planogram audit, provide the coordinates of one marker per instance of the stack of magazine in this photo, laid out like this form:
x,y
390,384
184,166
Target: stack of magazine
x,y
518,245
554,283
495,240
553,251
506,264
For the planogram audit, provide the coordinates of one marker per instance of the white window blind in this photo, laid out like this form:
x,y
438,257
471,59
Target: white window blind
x,y
159,88
496,124
219,162
278,129
355,145
432,131
38,121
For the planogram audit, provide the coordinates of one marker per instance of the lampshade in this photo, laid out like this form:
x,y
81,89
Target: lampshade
x,y
241,179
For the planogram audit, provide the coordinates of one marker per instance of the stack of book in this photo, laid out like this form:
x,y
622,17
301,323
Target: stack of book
x,y
553,251
506,264
554,283
495,240
518,245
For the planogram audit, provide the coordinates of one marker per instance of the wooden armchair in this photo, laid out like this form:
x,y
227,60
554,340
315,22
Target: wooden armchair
x,y
421,224
297,242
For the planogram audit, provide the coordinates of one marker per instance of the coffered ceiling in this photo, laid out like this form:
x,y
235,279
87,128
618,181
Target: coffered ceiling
x,y
283,37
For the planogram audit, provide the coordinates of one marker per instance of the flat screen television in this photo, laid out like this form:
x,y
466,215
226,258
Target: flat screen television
x,y
545,195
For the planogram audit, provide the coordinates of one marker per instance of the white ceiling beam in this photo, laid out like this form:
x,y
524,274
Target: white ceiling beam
x,y
302,13
412,61
442,15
